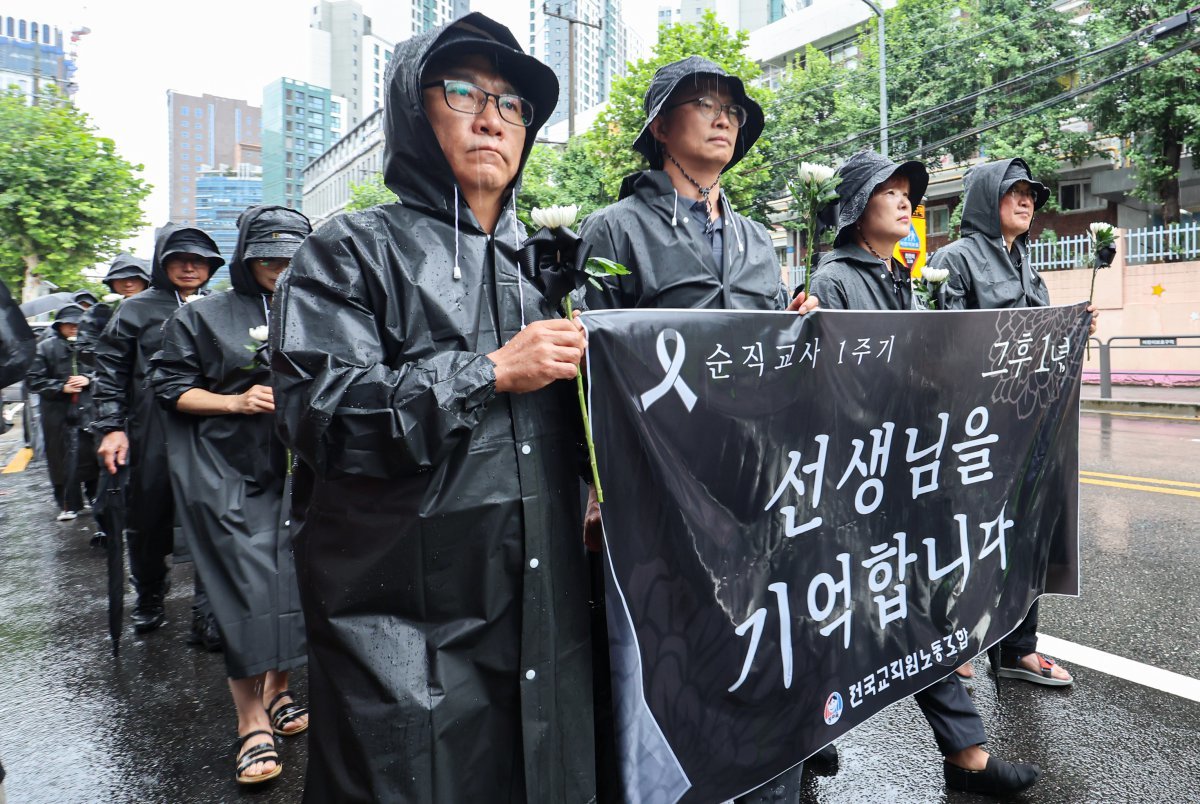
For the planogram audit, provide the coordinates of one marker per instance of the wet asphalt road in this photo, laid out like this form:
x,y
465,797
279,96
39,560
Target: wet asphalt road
x,y
156,724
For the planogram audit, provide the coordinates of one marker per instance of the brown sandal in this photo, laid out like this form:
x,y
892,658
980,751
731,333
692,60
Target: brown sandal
x,y
263,752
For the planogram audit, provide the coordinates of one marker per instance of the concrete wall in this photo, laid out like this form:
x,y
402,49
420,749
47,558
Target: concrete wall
x,y
1128,306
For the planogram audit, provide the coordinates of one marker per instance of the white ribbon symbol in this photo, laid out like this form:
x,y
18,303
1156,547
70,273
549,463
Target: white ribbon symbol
x,y
672,364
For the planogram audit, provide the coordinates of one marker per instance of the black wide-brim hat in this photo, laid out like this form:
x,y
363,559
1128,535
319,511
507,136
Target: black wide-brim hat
x,y
275,234
861,175
129,269
476,34
667,79
68,314
1018,171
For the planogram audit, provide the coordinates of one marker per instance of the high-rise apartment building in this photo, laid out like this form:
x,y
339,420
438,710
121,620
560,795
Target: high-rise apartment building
x,y
206,131
601,54
747,15
299,122
222,194
34,56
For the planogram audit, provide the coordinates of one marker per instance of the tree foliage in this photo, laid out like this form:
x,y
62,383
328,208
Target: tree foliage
x,y
1158,109
369,193
67,199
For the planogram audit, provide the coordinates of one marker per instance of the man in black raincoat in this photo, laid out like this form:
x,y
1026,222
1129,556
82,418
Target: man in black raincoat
x,y
65,388
442,577
17,341
127,276
990,269
132,423
229,473
687,248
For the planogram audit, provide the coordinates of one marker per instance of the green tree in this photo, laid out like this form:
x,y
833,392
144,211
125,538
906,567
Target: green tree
x,y
369,193
67,199
1158,109
610,139
557,174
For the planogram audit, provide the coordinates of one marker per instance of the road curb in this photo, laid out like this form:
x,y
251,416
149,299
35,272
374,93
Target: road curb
x,y
1137,407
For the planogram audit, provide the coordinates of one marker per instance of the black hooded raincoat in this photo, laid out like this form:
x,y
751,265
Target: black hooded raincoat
x,y
984,275
441,566
17,341
56,360
125,400
229,473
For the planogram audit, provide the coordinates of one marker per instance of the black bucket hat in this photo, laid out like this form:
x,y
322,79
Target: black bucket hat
x,y
667,79
477,34
1018,171
68,314
189,241
861,174
275,233
127,266
84,296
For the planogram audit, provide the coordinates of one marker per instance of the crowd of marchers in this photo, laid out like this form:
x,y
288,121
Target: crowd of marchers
x,y
370,444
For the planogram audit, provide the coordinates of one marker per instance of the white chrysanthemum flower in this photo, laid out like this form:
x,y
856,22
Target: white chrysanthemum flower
x,y
556,216
1098,227
810,171
72,338
109,298
260,333
935,276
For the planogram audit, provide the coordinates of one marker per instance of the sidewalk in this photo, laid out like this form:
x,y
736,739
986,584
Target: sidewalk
x,y
1148,400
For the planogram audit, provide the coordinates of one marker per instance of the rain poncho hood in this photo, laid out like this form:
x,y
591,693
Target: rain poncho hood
x,y
442,575
127,266
984,273
266,231
84,297
861,174
176,239
984,186
415,169
670,77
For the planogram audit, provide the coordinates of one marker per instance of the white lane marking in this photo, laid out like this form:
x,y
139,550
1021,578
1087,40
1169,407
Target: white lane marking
x,y
1113,665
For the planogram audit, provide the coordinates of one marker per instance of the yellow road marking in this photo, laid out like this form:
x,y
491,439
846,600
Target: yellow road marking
x,y
1156,481
19,462
1139,487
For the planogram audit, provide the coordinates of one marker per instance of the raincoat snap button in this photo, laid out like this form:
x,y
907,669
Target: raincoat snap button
x,y
533,563
530,674
526,449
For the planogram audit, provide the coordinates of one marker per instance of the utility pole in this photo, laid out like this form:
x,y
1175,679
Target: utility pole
x,y
883,99
571,83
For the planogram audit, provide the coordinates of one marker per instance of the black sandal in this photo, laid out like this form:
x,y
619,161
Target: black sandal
x,y
264,752
286,714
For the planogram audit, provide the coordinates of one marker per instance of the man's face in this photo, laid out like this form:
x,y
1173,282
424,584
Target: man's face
x,y
187,272
484,150
68,330
129,286
1016,209
266,271
691,136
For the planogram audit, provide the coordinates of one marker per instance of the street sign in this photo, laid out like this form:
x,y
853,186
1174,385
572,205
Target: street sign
x,y
911,250
1157,342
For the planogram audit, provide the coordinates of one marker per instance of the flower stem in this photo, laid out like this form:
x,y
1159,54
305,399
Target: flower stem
x,y
587,423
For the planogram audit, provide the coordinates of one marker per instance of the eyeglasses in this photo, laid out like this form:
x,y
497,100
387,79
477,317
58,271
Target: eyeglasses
x,y
465,97
713,110
1023,191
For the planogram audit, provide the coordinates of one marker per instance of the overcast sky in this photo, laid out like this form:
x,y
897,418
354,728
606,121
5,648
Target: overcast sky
x,y
138,49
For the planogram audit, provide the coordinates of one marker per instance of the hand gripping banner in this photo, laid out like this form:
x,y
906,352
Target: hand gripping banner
x,y
809,519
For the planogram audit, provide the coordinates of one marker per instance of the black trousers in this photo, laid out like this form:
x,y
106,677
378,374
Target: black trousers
x,y
70,498
1023,640
952,715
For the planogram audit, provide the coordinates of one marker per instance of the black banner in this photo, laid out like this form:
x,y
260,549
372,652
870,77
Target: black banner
x,y
808,519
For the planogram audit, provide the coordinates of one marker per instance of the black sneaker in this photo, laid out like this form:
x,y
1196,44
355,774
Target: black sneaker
x,y
149,613
999,777
211,635
195,636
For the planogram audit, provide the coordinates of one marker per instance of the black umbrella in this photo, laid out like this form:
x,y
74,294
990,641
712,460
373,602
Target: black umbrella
x,y
110,513
44,304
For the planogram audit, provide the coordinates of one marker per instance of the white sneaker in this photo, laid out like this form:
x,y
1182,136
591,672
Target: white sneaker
x,y
66,516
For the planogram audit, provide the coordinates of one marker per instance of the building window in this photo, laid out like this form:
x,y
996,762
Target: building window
x,y
288,94
1075,195
938,219
184,110
316,102
199,112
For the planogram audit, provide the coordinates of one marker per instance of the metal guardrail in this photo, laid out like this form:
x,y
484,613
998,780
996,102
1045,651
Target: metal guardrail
x,y
1061,254
1137,342
1174,243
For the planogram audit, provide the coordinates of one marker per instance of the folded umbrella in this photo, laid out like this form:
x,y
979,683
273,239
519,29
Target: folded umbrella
x,y
110,513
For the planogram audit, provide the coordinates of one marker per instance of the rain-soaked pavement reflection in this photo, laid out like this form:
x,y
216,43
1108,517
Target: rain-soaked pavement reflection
x,y
156,724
